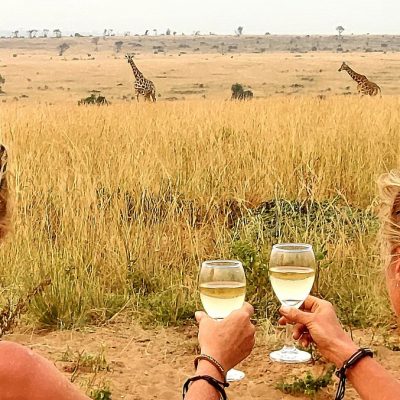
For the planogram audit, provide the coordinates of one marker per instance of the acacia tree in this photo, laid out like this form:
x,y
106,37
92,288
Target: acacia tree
x,y
45,33
155,32
95,41
32,33
118,46
340,30
239,31
15,34
57,33
146,33
62,48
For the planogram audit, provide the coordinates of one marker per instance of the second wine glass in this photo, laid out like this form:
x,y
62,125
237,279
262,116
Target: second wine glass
x,y
291,272
222,285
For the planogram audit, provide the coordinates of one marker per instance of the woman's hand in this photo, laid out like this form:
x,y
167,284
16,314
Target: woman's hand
x,y
228,341
317,322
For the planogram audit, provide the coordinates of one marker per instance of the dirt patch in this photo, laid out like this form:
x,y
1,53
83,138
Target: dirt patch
x,y
152,364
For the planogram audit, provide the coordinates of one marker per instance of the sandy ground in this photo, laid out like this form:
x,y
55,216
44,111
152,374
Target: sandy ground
x,y
152,364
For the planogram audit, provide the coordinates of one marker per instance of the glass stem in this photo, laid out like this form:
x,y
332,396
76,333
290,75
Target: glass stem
x,y
289,342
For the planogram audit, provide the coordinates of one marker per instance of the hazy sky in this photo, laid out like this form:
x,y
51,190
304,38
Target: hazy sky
x,y
219,16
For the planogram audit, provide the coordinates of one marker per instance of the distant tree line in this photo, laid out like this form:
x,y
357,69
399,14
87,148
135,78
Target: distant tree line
x,y
109,32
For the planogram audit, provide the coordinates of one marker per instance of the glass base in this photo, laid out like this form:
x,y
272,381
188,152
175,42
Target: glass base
x,y
290,355
234,375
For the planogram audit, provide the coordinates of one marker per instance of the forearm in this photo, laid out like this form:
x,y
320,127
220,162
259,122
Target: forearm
x,y
372,381
23,371
368,377
202,390
47,382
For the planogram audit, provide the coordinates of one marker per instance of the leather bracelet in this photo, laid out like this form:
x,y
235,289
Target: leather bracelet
x,y
216,384
341,373
212,361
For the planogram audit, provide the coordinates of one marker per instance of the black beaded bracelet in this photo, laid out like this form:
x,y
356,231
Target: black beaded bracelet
x,y
341,373
219,386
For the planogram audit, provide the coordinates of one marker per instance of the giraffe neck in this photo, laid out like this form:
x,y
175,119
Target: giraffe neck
x,y
356,77
135,70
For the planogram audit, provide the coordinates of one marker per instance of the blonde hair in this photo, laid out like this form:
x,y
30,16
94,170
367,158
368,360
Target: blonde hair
x,y
389,190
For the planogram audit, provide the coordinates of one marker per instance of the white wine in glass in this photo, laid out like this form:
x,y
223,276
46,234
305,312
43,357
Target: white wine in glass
x,y
222,286
220,298
292,273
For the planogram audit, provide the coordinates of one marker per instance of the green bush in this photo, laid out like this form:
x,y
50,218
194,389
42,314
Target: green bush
x,y
309,385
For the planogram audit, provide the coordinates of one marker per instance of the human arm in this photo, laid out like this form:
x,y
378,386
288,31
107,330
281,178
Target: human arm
x,y
318,323
229,342
25,375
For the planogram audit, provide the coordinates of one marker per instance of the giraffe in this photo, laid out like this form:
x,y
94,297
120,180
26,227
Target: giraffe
x,y
142,85
364,86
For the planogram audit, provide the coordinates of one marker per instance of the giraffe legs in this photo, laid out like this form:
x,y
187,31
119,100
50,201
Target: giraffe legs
x,y
148,96
361,90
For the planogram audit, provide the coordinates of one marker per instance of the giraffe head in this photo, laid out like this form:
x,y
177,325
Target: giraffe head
x,y
129,57
343,67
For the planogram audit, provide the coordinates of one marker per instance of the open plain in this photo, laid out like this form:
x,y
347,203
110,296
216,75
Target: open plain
x,y
119,204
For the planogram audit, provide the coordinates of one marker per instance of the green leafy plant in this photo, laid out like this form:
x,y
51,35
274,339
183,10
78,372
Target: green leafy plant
x,y
259,291
309,385
100,394
238,92
94,99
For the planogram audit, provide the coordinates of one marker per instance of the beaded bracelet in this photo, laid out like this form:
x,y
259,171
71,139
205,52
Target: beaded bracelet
x,y
212,361
216,384
341,373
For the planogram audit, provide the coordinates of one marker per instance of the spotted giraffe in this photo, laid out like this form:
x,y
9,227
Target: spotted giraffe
x,y
364,86
142,85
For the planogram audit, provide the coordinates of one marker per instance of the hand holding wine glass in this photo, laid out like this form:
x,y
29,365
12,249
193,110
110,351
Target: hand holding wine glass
x,y
291,272
222,285
229,341
317,322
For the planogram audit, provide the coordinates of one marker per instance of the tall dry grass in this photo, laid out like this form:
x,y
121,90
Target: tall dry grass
x,y
119,204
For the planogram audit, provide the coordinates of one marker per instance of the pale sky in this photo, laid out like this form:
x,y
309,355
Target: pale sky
x,y
218,16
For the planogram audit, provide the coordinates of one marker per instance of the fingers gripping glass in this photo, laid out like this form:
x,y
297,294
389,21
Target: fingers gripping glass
x,y
292,273
222,285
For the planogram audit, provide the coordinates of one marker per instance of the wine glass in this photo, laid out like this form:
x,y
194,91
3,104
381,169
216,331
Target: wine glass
x,y
222,285
292,273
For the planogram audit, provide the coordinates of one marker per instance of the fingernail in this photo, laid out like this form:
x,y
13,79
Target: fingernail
x,y
197,314
284,309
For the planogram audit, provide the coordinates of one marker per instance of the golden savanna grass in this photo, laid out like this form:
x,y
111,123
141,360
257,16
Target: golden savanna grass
x,y
120,204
